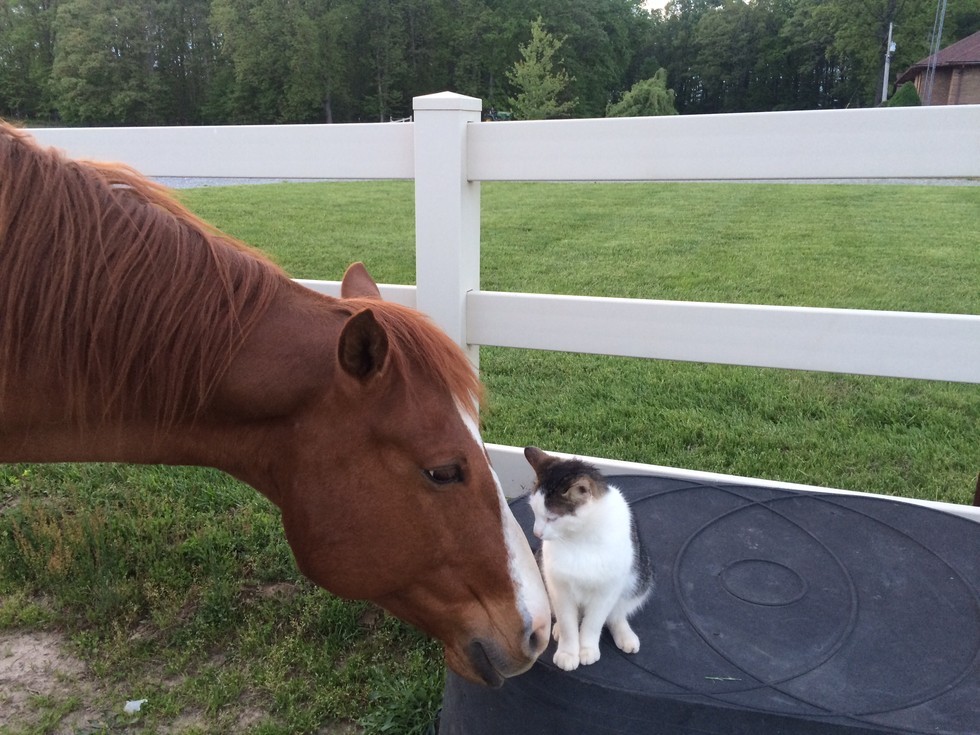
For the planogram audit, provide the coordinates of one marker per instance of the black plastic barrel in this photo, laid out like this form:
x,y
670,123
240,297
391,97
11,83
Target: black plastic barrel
x,y
774,612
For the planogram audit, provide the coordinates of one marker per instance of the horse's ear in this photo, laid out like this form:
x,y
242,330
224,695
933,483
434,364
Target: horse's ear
x,y
357,283
537,459
363,346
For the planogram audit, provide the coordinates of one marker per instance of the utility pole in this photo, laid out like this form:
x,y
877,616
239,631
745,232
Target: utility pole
x,y
889,50
937,37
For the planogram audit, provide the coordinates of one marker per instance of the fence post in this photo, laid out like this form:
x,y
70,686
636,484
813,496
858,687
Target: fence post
x,y
447,212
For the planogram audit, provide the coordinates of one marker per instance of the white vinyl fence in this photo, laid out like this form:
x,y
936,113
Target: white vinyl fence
x,y
448,152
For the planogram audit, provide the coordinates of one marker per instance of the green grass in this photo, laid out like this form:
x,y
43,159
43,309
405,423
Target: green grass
x,y
871,247
176,584
906,248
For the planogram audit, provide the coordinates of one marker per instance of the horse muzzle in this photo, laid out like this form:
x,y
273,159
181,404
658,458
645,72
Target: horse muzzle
x,y
485,662
483,666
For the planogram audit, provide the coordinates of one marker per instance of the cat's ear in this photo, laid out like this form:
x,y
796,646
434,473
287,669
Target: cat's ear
x,y
537,459
581,489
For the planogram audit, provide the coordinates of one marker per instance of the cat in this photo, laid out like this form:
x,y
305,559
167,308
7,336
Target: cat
x,y
594,565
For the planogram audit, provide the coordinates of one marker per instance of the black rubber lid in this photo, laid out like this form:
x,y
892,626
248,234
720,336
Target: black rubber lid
x,y
773,612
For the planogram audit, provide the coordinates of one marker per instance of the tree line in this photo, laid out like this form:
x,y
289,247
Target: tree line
x,y
156,62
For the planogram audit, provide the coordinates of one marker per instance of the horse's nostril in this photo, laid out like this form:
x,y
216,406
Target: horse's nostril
x,y
537,641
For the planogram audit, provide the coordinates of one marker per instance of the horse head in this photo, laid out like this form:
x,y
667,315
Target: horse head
x,y
392,497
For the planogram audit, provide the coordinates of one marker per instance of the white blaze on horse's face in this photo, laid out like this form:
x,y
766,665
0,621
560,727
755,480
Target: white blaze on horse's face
x,y
532,599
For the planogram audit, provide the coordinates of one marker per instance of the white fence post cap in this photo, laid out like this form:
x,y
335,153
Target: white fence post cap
x,y
447,101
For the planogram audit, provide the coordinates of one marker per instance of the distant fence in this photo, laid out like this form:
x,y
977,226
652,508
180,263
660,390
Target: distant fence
x,y
448,152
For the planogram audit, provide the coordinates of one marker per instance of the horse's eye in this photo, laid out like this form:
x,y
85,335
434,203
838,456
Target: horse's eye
x,y
448,474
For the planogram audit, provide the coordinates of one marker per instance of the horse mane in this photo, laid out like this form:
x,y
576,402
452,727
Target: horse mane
x,y
112,289
420,350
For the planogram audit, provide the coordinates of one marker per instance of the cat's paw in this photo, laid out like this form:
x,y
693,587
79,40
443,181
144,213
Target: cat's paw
x,y
566,660
627,641
588,655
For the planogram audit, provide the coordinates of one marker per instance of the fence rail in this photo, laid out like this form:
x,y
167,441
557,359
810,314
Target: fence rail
x,y
448,152
366,151
829,144
883,343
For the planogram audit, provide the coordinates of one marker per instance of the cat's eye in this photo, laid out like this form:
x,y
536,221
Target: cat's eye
x,y
447,474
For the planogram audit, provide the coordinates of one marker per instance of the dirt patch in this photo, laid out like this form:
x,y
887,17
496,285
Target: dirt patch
x,y
43,685
35,667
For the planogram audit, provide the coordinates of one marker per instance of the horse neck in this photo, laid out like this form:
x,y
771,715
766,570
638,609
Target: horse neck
x,y
284,361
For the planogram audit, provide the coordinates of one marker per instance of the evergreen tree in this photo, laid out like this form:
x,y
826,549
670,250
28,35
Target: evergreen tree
x,y
906,96
540,80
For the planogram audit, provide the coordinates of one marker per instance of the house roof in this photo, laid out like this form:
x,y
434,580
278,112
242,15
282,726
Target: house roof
x,y
965,52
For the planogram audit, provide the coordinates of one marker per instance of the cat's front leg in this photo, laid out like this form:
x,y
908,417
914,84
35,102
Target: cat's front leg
x,y
566,633
566,660
589,637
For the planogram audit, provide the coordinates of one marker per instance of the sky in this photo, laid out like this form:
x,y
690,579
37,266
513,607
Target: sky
x,y
651,4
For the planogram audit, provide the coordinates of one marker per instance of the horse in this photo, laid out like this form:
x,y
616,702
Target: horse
x,y
132,331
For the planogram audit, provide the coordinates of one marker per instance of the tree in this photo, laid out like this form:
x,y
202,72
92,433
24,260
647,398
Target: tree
x,y
728,56
383,77
469,47
105,66
26,55
213,61
677,49
256,38
906,96
134,62
814,78
540,80
646,98
319,63
186,59
600,39
858,34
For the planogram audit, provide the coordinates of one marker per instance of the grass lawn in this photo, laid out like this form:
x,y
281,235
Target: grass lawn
x,y
175,585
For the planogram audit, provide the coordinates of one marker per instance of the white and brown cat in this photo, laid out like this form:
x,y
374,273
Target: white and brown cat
x,y
593,562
